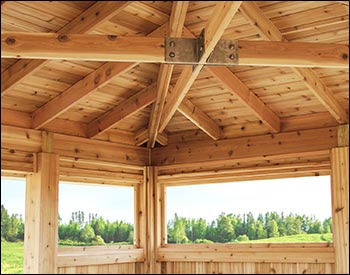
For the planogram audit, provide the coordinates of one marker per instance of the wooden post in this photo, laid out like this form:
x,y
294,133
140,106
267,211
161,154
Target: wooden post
x,y
153,222
340,201
41,216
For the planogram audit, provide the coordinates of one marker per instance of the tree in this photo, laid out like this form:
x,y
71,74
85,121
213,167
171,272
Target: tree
x,y
176,232
272,229
5,221
13,229
260,230
251,228
87,233
225,230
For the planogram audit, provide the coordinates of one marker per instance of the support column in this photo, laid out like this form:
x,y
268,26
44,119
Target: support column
x,y
340,200
153,221
41,216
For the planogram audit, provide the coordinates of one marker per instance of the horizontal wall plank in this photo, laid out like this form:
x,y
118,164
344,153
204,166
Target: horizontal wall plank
x,y
205,152
272,253
85,257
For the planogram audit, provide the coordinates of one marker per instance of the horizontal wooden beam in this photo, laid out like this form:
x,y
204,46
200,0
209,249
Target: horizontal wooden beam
x,y
125,109
247,173
78,91
293,54
74,257
128,156
151,49
266,253
200,119
82,47
249,99
206,152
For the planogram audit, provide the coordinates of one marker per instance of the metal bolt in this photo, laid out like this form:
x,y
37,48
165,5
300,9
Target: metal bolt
x,y
62,38
172,43
232,56
172,54
10,40
201,48
232,47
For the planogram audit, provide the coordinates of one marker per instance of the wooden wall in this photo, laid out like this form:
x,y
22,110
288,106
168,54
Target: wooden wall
x,y
299,153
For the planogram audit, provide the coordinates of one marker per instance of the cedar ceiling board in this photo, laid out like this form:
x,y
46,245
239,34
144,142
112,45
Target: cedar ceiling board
x,y
274,9
126,24
41,16
136,121
309,16
148,12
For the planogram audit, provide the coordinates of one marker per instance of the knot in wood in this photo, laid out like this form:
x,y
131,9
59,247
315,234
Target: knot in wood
x,y
62,38
97,79
108,72
112,37
10,40
344,56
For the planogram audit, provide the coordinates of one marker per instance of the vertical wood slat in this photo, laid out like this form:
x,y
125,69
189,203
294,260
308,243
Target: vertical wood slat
x,y
340,207
41,217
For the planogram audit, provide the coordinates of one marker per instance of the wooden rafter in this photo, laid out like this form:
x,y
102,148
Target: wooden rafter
x,y
200,119
79,90
224,12
125,109
94,16
238,88
270,32
141,136
177,20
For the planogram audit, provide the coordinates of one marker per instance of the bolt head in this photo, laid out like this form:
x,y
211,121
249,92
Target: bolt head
x,y
172,54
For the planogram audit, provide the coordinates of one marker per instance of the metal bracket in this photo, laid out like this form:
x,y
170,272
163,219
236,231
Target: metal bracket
x,y
190,51
225,53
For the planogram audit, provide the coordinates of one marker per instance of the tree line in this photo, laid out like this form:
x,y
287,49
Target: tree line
x,y
232,228
93,229
80,230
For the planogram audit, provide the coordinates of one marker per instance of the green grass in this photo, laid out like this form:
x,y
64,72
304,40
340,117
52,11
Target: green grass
x,y
12,258
300,238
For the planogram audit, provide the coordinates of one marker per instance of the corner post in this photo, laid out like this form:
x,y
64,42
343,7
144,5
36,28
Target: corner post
x,y
340,200
41,213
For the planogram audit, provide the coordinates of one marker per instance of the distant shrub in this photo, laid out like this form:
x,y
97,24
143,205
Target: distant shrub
x,y
242,238
203,241
327,237
98,240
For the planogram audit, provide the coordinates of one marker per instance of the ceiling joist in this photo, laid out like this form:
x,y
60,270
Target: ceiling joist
x,y
238,88
177,20
269,31
125,109
93,17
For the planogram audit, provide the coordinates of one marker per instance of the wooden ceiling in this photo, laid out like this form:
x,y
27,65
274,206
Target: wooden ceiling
x,y
158,104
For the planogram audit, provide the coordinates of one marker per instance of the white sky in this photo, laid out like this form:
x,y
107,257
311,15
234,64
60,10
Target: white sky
x,y
310,196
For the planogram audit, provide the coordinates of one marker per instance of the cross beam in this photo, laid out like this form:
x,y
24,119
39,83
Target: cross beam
x,y
156,50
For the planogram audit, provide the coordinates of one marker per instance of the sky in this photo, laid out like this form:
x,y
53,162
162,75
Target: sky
x,y
310,196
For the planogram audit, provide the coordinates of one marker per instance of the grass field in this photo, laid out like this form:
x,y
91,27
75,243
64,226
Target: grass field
x,y
12,258
301,238
12,253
